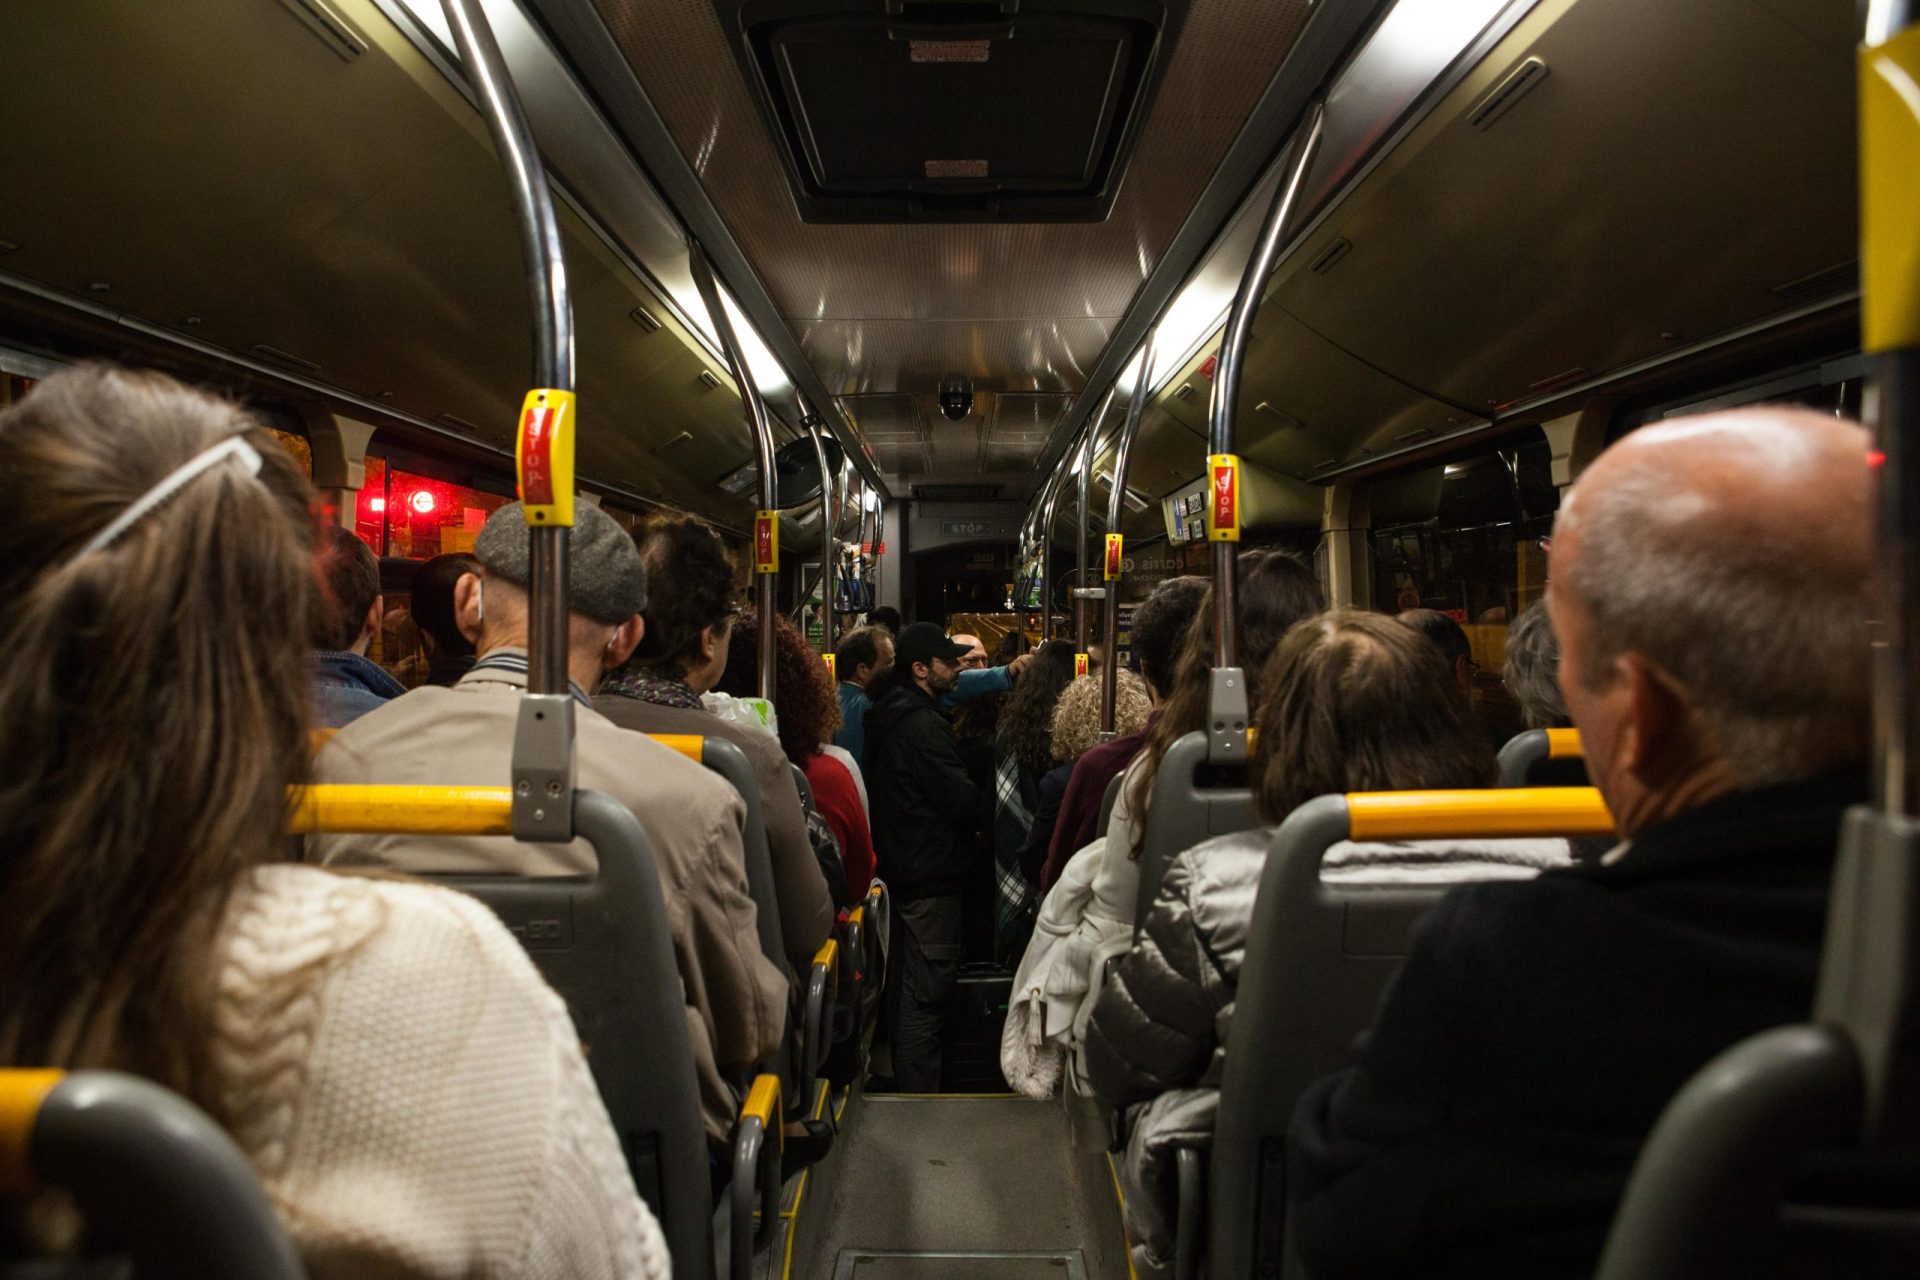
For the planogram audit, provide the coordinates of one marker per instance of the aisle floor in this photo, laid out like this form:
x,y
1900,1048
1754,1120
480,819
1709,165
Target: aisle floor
x,y
950,1188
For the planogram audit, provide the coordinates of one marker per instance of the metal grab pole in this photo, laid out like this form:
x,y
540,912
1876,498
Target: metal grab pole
x,y
1227,701
546,277
1114,559
766,521
1083,526
829,516
542,765
1049,505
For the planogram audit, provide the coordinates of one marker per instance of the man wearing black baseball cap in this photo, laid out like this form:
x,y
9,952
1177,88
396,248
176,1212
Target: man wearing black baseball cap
x,y
925,811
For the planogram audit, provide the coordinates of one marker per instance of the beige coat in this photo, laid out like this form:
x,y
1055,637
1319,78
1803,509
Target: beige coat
x,y
736,998
806,910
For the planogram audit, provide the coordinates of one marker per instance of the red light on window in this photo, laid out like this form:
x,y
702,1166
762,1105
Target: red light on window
x,y
423,501
376,504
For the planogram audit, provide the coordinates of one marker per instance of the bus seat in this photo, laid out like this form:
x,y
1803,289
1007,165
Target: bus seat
x,y
805,789
731,763
1107,801
1181,814
1543,758
604,945
158,1182
1318,958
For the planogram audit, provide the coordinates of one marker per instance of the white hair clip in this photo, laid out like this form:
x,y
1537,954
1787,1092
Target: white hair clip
x,y
177,479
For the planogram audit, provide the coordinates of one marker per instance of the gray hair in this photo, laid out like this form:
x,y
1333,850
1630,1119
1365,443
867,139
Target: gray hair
x,y
1532,672
1762,623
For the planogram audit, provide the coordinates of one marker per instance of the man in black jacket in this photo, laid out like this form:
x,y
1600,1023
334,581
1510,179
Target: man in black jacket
x,y
925,811
1710,594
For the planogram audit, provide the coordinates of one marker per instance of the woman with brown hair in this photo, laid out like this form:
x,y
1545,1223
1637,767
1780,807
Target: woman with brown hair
x,y
1087,916
160,577
806,712
1350,701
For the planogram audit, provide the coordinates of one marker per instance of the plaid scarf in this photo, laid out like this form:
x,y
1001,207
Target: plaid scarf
x,y
1016,901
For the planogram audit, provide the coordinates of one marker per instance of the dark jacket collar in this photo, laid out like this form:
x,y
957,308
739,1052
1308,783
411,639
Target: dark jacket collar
x,y
1786,821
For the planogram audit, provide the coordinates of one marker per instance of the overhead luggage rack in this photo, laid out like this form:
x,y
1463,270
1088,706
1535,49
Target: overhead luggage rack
x,y
932,110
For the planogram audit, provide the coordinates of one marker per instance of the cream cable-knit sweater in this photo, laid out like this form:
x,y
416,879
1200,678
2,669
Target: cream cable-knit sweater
x,y
411,1092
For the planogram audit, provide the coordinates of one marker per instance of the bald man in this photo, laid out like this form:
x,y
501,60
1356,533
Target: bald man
x,y
1709,590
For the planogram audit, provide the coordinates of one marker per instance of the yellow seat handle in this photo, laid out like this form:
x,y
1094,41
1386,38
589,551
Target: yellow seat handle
x,y
1508,812
1563,744
397,810
22,1090
690,745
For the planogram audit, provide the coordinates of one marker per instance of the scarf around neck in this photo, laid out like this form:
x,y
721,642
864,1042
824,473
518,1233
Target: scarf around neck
x,y
646,686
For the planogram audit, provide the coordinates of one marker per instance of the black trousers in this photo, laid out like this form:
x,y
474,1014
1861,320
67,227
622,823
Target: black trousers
x,y
925,969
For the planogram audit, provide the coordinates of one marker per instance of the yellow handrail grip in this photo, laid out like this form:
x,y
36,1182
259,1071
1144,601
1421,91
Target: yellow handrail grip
x,y
398,810
828,953
22,1090
1889,216
690,745
319,738
763,1103
1512,811
858,915
1563,744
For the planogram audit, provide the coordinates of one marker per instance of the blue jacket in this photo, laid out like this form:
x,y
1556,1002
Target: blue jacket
x,y
346,686
852,737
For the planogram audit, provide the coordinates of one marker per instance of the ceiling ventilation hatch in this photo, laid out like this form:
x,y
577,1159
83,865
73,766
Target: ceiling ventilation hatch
x,y
953,110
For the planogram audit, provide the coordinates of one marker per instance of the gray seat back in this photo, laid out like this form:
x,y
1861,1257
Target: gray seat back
x,y
157,1181
731,763
1107,801
804,787
1318,958
1521,752
1181,814
604,944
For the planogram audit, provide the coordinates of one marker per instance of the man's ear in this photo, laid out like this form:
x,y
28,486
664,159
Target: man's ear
x,y
626,638
1658,724
370,625
466,606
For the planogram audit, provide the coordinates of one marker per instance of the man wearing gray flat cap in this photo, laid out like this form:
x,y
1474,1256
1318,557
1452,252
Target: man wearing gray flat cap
x,y
463,735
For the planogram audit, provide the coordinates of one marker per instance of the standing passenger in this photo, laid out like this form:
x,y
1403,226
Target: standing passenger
x,y
864,660
347,683
925,812
1710,592
411,1094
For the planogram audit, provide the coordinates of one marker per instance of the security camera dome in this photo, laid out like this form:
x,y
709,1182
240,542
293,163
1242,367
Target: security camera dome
x,y
956,398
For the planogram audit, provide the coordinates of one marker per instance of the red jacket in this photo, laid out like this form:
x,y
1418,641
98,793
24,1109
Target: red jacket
x,y
839,803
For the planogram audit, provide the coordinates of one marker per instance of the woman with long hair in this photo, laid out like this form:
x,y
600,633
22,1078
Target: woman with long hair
x,y
1350,701
349,1032
806,713
1087,915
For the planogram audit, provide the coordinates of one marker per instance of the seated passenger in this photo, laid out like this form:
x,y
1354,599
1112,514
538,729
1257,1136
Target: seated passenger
x,y
1532,678
864,658
1352,702
1158,625
449,653
411,1094
1710,592
1075,730
1088,915
347,683
690,616
1451,639
805,716
736,999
